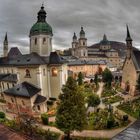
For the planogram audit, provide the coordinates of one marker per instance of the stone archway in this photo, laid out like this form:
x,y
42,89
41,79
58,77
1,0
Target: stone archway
x,y
127,87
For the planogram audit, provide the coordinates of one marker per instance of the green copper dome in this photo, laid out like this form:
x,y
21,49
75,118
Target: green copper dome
x,y
41,26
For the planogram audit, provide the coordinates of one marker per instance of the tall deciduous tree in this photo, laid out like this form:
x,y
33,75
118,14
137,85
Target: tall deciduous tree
x,y
71,111
107,77
80,78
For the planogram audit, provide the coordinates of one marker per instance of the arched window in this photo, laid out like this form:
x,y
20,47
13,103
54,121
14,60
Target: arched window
x,y
35,41
54,72
44,40
38,107
27,73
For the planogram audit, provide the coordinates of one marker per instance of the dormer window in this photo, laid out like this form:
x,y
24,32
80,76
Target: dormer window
x,y
27,75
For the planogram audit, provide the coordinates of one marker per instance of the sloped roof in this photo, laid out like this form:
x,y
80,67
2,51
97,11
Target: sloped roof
x,y
14,53
136,59
130,133
8,77
24,89
86,62
40,99
56,59
32,59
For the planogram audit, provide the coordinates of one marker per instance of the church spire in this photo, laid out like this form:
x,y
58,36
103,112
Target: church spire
x,y
6,38
128,43
5,45
128,38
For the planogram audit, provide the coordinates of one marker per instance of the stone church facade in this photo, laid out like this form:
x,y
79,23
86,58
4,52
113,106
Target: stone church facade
x,y
131,67
27,81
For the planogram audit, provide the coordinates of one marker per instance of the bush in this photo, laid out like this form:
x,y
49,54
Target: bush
x,y
45,118
125,118
2,115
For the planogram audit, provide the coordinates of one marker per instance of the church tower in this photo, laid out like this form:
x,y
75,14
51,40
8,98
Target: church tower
x,y
41,35
82,39
5,46
128,44
82,51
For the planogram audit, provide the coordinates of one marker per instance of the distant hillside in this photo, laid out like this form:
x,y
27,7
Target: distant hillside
x,y
120,46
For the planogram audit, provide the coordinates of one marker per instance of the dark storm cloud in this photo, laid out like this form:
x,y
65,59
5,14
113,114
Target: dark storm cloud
x,y
67,16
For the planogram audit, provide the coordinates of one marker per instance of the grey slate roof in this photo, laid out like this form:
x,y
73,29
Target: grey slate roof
x,y
24,89
31,59
8,77
40,99
55,59
85,62
14,53
136,58
130,133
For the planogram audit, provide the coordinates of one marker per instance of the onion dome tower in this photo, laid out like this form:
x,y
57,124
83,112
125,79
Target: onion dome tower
x,y
41,35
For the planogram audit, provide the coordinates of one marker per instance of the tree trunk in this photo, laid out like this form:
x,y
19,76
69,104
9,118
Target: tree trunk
x,y
67,137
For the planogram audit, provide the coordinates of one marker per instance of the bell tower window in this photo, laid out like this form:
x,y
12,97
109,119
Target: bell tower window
x,y
27,73
35,41
44,40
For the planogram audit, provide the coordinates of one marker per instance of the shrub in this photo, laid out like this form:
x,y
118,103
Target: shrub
x,y
125,118
44,118
2,115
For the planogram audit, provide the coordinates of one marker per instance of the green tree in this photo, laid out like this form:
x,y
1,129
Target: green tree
x,y
80,78
107,77
96,79
71,111
138,84
93,100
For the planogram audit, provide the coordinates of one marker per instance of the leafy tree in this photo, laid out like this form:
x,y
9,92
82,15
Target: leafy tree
x,y
93,100
71,111
138,84
80,78
107,77
96,79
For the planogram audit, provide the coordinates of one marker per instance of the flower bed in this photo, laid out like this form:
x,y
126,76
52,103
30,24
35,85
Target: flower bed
x,y
105,119
131,108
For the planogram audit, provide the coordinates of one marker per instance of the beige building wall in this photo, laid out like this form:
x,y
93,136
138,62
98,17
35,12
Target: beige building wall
x,y
41,44
87,70
129,75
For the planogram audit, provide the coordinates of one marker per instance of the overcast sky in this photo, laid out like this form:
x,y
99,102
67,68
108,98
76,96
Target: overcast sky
x,y
98,17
